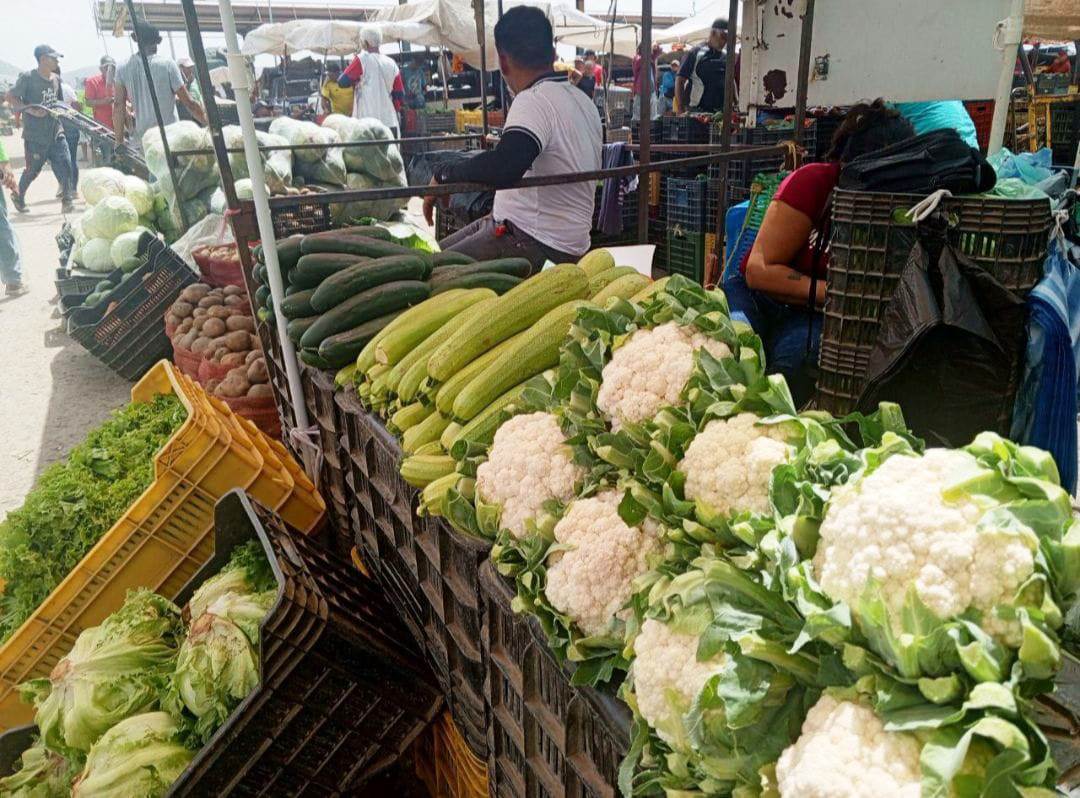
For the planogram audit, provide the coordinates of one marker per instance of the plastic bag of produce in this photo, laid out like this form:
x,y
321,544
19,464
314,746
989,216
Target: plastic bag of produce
x,y
277,164
315,164
193,172
109,218
243,191
381,162
96,255
125,250
376,209
138,192
97,184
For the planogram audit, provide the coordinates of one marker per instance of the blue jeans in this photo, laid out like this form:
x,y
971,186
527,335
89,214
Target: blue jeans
x,y
10,268
783,330
59,157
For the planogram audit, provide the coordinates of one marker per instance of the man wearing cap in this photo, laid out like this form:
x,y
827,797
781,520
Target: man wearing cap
x,y
376,81
99,92
43,136
168,87
702,77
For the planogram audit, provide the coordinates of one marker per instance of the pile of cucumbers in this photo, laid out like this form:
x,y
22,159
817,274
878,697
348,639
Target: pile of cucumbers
x,y
343,286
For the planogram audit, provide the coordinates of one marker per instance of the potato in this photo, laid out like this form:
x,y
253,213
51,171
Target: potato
x,y
236,301
172,320
252,356
181,308
256,371
193,293
233,359
233,290
234,385
186,325
201,345
262,391
219,353
197,323
209,301
189,338
198,313
212,385
245,323
238,341
213,326
219,312
255,342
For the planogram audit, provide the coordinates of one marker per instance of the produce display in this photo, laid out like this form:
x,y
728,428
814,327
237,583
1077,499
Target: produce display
x,y
790,604
127,709
77,501
121,208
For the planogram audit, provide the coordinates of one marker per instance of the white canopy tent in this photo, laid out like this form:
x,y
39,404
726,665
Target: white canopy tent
x,y
270,38
695,29
625,35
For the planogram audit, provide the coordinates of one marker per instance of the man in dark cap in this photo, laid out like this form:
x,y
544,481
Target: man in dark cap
x,y
43,136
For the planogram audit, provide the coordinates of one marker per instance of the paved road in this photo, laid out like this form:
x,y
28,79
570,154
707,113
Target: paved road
x,y
51,389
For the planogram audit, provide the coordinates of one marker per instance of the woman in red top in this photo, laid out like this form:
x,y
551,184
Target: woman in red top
x,y
772,288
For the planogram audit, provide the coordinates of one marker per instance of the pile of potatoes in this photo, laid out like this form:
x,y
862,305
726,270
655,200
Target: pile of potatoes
x,y
248,380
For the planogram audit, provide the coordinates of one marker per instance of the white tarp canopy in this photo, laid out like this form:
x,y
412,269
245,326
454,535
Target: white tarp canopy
x,y
695,29
626,38
325,36
270,38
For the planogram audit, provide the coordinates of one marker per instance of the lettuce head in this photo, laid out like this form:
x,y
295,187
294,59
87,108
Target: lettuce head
x,y
247,571
42,774
142,755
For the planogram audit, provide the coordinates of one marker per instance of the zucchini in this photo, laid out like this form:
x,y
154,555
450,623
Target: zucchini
x,y
499,283
431,448
314,359
345,376
359,277
482,428
409,416
357,245
433,497
296,328
536,350
343,347
518,267
311,270
262,296
597,261
609,276
448,257
448,436
369,230
297,305
448,391
438,310
409,384
513,312
623,288
425,432
655,287
420,470
366,305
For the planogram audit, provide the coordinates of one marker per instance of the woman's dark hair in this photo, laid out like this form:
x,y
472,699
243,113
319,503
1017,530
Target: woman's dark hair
x,y
868,127
524,34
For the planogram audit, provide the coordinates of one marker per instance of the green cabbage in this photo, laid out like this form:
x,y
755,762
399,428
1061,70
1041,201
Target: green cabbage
x,y
97,184
109,218
376,209
113,671
141,756
247,571
277,164
138,193
96,255
315,164
194,173
125,250
43,774
381,162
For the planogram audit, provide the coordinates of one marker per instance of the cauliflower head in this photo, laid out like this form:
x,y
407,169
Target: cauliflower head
x,y
729,464
667,675
897,527
845,752
650,370
528,464
591,578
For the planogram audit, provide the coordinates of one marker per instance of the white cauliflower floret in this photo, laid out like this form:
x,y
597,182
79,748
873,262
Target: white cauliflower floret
x,y
665,666
650,371
896,526
729,463
845,752
591,581
528,464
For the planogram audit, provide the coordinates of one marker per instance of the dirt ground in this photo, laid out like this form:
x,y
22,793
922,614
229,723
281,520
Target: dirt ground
x,y
51,389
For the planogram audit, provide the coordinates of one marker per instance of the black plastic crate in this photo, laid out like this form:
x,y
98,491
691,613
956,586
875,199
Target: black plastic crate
x,y
686,203
342,695
447,222
656,131
131,338
435,122
546,737
686,129
686,254
1063,133
319,389
74,282
429,568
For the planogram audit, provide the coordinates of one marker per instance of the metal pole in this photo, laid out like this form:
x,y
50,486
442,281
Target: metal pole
x,y
206,85
160,122
806,40
645,134
1008,38
502,83
716,274
481,36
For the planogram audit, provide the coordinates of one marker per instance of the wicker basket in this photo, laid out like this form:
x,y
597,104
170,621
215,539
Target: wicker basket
x,y
868,248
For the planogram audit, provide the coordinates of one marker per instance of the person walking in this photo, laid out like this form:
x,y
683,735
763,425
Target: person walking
x,y
700,85
42,134
168,87
375,79
10,266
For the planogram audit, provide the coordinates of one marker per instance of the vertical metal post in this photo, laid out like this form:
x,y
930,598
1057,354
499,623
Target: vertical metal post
x,y
1008,38
206,86
502,83
806,40
715,276
645,134
481,36
157,114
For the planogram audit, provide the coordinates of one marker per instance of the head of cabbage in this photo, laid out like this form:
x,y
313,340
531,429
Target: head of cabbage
x,y
95,255
142,755
193,172
109,218
277,164
247,571
381,161
377,209
124,251
139,194
113,671
97,184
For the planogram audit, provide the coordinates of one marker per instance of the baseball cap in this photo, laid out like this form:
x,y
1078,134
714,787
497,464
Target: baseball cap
x,y
185,62
107,60
44,49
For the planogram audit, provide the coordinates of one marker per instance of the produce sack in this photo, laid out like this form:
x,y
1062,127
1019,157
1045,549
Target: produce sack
x,y
950,345
381,162
375,209
317,164
194,173
277,164
921,165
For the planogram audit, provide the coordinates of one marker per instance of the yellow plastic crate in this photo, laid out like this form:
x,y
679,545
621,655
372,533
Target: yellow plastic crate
x,y
464,119
163,538
304,509
445,765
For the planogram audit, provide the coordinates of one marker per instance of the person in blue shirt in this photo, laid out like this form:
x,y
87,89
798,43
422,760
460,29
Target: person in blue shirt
x,y
940,115
667,87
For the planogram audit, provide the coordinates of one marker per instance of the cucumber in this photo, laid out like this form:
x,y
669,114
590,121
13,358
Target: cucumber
x,y
343,347
518,267
298,304
449,257
369,230
292,289
259,274
499,283
312,358
296,328
358,245
257,253
288,252
262,295
359,277
311,270
364,306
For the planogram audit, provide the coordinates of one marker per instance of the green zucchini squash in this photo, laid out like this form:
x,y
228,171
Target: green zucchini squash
x,y
364,306
311,270
499,283
597,283
624,288
298,304
343,347
437,311
350,281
